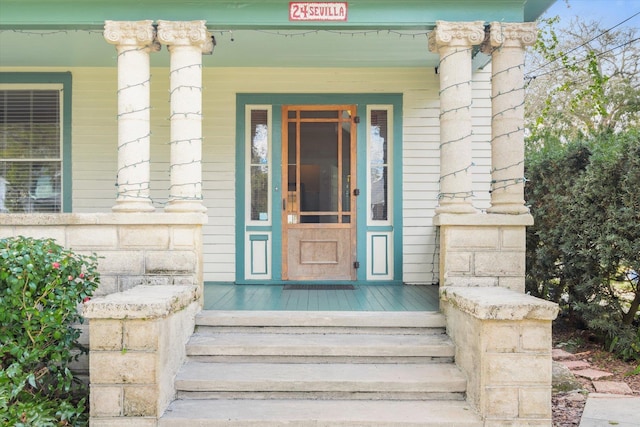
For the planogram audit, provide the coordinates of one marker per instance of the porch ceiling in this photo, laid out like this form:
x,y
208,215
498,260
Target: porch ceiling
x,y
257,33
238,48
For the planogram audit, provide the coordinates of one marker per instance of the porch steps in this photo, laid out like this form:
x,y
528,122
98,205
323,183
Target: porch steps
x,y
320,369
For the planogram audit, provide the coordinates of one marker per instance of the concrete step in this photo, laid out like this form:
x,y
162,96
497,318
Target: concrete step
x,y
320,381
320,345
321,322
344,413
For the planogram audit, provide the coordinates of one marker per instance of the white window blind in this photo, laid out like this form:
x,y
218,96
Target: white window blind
x,y
30,149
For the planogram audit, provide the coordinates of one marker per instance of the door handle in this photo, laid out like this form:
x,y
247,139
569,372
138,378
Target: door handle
x,y
284,204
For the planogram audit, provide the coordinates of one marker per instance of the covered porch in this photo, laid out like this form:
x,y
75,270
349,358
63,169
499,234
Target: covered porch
x,y
157,174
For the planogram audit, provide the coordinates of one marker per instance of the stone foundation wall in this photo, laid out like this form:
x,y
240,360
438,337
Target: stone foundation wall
x,y
134,248
503,345
157,249
483,250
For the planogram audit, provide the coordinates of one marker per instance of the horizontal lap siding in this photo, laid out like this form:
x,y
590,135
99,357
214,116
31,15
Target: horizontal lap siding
x,y
95,147
421,165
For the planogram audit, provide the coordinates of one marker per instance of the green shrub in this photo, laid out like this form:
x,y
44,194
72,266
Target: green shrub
x,y
585,200
41,286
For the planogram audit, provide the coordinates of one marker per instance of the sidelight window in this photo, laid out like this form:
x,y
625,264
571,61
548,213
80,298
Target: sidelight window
x,y
379,158
259,160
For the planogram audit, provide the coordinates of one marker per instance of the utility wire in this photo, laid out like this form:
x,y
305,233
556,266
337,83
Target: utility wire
x,y
582,60
587,42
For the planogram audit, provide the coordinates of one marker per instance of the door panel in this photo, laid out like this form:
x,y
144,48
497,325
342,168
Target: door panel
x,y
319,207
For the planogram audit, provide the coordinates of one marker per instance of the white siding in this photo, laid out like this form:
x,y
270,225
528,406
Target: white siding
x,y
95,146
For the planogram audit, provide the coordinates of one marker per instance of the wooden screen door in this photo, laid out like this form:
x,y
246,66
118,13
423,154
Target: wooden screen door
x,y
318,182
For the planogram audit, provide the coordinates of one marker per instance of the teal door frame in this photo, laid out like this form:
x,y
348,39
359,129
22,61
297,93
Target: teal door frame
x,y
276,101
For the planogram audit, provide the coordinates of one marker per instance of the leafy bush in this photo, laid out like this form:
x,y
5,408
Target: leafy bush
x,y
41,286
585,198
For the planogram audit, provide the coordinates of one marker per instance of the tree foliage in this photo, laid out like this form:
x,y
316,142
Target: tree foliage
x,y
583,168
582,80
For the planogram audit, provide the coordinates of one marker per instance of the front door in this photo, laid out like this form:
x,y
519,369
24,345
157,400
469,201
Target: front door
x,y
318,182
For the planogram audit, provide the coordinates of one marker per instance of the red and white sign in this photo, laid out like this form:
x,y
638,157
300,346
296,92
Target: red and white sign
x,y
317,11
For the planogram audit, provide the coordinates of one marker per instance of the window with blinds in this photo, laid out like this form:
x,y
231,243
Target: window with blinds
x,y
30,149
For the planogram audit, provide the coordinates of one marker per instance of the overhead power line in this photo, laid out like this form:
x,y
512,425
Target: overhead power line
x,y
587,42
583,60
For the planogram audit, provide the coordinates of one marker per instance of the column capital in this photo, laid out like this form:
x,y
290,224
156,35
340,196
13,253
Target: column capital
x,y
133,33
456,34
512,34
185,33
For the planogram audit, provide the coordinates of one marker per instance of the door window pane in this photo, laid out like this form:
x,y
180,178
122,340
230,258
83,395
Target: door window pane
x,y
318,167
346,167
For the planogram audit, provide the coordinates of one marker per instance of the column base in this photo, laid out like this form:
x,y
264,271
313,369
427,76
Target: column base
x,y
456,208
185,206
133,206
508,209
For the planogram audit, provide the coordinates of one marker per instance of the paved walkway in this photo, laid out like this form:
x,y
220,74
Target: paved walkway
x,y
612,404
611,410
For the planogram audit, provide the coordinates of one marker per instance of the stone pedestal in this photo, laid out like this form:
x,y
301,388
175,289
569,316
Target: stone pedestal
x,y
503,345
134,40
137,344
454,42
483,250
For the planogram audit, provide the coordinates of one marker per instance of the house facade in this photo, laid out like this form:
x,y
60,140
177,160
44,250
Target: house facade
x,y
363,142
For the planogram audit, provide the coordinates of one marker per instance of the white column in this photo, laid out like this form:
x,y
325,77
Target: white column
x,y
186,41
506,43
134,40
454,42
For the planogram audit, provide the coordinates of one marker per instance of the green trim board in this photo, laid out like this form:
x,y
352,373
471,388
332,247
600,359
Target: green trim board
x,y
251,33
263,240
65,79
276,100
385,270
225,14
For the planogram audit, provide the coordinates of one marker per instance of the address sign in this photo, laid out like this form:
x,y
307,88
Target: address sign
x,y
317,11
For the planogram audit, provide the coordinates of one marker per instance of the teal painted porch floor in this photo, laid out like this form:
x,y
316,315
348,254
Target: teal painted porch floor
x,y
362,298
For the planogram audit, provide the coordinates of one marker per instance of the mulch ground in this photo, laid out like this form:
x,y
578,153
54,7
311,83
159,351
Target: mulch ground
x,y
567,408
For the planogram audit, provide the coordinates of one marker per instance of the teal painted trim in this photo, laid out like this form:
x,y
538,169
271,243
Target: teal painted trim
x,y
276,192
398,174
214,282
361,201
534,9
277,100
224,14
240,191
386,254
264,254
380,228
258,227
65,79
313,282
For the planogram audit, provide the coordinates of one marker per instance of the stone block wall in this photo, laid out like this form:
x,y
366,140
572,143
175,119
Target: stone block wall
x,y
137,345
134,248
483,250
503,345
157,249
